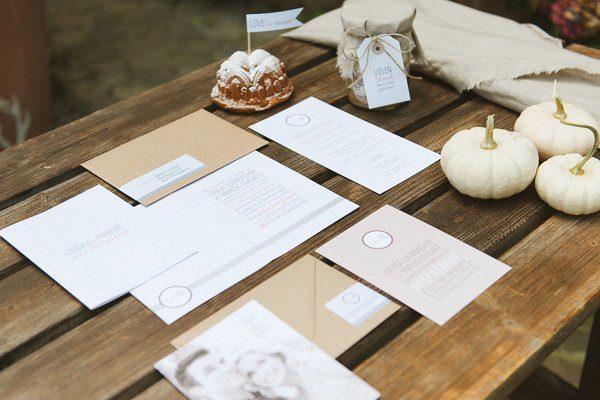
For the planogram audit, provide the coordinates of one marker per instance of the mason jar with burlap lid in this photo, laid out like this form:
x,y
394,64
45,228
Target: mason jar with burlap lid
x,y
372,18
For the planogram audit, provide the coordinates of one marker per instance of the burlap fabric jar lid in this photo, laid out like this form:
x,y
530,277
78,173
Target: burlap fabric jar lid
x,y
363,18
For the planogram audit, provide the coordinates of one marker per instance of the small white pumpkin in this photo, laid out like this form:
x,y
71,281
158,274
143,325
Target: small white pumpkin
x,y
541,123
571,183
489,163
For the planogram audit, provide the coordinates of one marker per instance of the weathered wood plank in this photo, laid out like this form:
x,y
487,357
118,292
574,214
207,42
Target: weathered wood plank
x,y
585,50
160,390
499,339
44,157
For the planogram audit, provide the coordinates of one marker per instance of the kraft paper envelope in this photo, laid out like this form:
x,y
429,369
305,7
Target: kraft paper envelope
x,y
158,163
303,295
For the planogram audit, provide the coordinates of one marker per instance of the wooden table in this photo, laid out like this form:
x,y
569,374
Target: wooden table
x,y
51,346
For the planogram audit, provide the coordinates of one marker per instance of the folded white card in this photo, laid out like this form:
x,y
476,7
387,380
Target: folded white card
x,y
252,354
350,146
97,247
259,210
421,266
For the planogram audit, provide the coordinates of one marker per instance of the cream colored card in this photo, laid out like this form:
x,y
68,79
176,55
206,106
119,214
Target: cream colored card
x,y
324,305
172,156
421,266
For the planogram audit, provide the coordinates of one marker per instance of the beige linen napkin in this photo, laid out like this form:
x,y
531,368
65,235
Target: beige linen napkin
x,y
506,62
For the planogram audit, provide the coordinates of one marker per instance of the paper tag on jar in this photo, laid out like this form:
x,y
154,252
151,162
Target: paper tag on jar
x,y
385,83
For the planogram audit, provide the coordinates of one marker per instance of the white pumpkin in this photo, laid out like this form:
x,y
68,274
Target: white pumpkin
x,y
571,182
541,123
489,163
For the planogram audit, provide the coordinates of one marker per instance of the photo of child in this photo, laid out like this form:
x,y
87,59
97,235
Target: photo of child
x,y
253,355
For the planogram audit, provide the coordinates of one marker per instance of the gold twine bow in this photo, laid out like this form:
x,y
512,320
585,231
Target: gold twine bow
x,y
377,40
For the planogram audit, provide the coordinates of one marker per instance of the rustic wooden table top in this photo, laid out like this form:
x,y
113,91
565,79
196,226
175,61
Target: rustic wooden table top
x,y
51,346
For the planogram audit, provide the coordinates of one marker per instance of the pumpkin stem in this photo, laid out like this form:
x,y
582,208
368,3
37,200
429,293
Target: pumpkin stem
x,y
578,168
560,108
488,142
561,115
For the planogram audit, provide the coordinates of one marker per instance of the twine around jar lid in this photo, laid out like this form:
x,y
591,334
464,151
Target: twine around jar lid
x,y
378,46
374,18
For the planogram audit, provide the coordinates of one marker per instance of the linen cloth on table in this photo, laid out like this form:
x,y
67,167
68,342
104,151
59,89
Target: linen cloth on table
x,y
506,62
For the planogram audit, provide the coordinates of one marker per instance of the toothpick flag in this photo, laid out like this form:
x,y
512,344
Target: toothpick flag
x,y
273,21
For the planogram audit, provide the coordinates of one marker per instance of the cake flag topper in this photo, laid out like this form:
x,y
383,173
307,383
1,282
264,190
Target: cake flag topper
x,y
274,21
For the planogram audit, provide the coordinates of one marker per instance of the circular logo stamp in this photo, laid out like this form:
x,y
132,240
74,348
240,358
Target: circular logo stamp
x,y
297,119
351,298
175,296
377,239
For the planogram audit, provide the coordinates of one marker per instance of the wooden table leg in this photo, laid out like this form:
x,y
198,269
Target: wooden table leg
x,y
589,386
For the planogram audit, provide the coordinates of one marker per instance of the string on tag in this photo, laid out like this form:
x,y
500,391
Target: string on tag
x,y
376,40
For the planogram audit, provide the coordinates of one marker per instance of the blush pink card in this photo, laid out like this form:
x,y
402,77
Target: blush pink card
x,y
419,265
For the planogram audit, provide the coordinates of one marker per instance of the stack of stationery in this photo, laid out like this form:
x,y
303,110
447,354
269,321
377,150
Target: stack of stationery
x,y
259,210
213,211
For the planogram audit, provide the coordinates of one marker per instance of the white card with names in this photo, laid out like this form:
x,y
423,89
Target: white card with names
x,y
385,82
98,248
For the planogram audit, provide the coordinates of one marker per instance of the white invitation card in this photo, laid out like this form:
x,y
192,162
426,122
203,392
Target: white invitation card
x,y
350,146
259,210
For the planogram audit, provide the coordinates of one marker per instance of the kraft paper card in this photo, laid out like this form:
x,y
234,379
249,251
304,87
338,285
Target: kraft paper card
x,y
327,307
421,266
156,164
